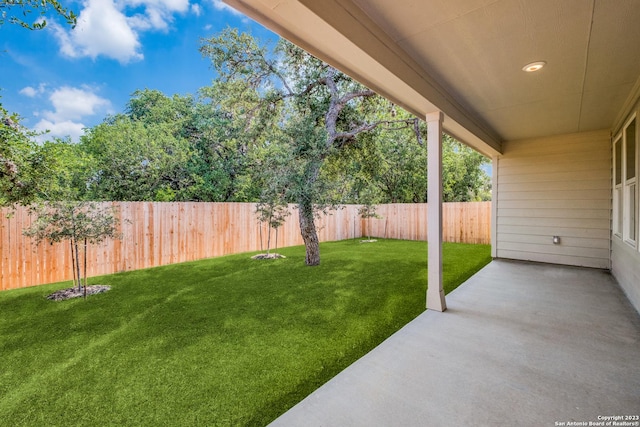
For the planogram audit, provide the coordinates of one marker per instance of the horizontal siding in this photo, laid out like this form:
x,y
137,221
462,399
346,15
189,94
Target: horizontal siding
x,y
583,167
625,260
546,175
570,194
556,186
558,145
550,204
551,160
556,259
554,230
601,214
564,249
554,222
570,241
625,266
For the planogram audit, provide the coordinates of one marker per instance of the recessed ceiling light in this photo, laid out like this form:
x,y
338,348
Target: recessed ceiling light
x,y
534,66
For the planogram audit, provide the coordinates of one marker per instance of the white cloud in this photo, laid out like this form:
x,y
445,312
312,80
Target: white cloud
x,y
102,29
196,9
72,103
70,106
158,14
62,129
112,28
219,5
29,91
32,92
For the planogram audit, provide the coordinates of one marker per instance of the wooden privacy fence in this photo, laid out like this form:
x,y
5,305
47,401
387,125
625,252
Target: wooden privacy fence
x,y
461,222
155,234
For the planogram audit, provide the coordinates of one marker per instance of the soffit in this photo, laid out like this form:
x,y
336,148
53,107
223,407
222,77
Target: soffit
x,y
476,50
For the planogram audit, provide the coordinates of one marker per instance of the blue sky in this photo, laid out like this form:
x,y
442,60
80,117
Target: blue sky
x,y
65,80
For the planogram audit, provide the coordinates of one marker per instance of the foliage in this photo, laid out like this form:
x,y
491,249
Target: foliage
x,y
136,161
174,148
274,121
366,212
384,165
76,222
25,167
17,11
272,207
235,140
248,339
319,112
273,212
463,179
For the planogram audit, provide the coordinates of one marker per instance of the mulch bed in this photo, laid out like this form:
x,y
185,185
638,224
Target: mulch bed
x,y
268,256
69,293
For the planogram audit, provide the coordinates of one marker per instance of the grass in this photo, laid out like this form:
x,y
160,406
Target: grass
x,y
225,341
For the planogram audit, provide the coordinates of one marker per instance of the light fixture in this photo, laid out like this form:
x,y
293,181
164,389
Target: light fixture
x,y
534,66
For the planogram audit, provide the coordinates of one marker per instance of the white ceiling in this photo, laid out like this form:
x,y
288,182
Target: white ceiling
x,y
465,57
477,49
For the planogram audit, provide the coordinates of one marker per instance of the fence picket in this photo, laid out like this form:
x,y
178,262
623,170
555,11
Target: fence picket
x,y
162,233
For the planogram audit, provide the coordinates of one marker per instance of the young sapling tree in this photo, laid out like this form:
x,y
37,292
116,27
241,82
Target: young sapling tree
x,y
273,212
76,222
366,212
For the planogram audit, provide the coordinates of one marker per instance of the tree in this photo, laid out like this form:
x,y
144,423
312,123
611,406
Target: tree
x,y
136,161
463,178
272,207
26,167
23,169
273,212
319,111
76,222
14,148
233,141
13,9
384,165
366,212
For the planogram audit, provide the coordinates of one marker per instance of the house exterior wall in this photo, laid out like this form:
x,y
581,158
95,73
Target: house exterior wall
x,y
625,258
554,186
625,267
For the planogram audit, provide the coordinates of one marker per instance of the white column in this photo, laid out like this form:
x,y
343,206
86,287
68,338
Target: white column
x,y
495,169
435,293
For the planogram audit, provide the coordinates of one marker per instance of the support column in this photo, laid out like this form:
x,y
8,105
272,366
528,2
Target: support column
x,y
435,292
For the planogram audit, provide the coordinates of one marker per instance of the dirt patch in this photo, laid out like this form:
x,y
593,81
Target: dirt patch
x,y
268,256
368,241
69,293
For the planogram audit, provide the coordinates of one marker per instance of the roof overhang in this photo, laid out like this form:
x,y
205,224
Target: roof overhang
x,y
465,59
369,56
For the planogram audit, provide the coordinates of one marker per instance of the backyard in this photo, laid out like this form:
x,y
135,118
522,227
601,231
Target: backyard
x,y
223,341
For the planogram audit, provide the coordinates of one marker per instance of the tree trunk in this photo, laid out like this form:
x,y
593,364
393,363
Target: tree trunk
x,y
75,246
309,234
269,240
85,267
73,264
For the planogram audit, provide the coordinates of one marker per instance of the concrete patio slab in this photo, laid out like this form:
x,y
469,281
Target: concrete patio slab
x,y
521,344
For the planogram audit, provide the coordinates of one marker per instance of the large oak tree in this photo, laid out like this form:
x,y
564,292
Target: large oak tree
x,y
318,110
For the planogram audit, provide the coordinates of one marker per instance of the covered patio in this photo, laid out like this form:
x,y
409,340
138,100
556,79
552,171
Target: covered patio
x,y
521,344
550,91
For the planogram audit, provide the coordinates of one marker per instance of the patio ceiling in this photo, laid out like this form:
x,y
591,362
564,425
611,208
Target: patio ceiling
x,y
465,58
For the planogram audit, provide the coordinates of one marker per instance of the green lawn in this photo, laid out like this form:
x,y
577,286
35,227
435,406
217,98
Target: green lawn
x,y
225,341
